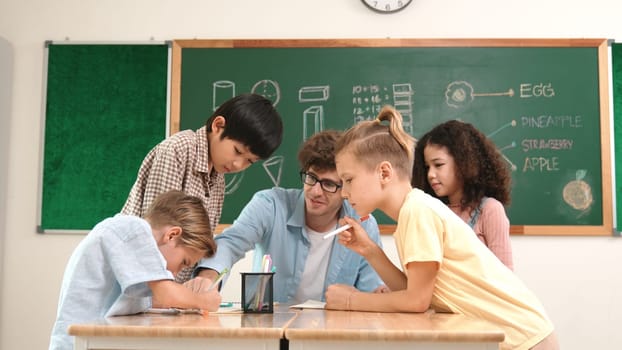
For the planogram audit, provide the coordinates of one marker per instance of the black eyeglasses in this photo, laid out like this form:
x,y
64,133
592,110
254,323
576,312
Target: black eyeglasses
x,y
327,185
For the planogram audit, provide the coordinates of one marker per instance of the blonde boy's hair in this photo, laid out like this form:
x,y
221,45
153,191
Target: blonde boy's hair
x,y
372,142
179,209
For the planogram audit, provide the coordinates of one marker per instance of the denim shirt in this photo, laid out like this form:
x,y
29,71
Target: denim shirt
x,y
274,219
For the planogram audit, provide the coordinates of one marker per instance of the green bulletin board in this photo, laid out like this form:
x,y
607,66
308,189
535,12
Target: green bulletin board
x,y
105,108
543,102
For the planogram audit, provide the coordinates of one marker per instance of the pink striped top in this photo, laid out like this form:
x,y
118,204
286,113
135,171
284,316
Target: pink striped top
x,y
492,228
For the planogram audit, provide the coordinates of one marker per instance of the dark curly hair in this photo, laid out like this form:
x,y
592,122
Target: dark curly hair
x,y
479,164
318,151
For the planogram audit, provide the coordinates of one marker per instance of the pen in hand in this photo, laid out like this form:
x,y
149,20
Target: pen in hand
x,y
343,228
218,279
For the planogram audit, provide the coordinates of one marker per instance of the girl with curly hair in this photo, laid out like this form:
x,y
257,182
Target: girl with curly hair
x,y
464,169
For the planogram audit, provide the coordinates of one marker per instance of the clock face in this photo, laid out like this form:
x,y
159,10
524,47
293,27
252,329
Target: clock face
x,y
386,6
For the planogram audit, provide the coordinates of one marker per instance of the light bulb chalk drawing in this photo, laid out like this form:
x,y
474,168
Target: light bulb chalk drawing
x,y
461,93
269,89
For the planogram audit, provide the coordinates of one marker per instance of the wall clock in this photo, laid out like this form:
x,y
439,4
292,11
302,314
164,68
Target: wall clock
x,y
386,6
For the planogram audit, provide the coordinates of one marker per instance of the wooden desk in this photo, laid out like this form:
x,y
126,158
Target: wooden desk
x,y
336,330
231,331
306,329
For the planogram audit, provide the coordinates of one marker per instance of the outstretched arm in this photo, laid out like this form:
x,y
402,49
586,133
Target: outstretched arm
x,y
255,220
417,297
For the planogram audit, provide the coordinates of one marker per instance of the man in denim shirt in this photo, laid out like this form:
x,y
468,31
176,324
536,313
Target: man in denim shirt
x,y
290,224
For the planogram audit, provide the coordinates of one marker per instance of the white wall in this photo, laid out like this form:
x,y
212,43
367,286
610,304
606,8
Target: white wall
x,y
6,73
577,278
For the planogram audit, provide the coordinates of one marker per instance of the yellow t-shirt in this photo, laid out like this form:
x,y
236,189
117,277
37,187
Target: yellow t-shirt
x,y
471,280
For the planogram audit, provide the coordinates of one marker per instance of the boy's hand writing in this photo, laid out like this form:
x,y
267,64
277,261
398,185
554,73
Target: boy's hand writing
x,y
211,300
199,284
203,281
167,294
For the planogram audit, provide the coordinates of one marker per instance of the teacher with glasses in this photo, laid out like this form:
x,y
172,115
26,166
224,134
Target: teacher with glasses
x,y
289,224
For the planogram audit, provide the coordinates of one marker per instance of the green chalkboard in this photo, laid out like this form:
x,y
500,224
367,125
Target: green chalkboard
x,y
105,108
543,103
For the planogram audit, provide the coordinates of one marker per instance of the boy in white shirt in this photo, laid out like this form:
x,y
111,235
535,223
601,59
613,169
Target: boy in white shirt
x,y
127,264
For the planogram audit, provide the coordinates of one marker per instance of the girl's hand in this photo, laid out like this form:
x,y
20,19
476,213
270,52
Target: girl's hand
x,y
338,296
356,238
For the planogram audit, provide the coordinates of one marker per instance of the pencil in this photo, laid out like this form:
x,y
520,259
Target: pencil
x,y
218,279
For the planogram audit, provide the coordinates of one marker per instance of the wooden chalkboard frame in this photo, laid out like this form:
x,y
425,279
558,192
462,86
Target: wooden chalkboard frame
x,y
600,44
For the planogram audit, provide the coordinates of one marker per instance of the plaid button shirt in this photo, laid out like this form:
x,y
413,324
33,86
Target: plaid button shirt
x,y
180,162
